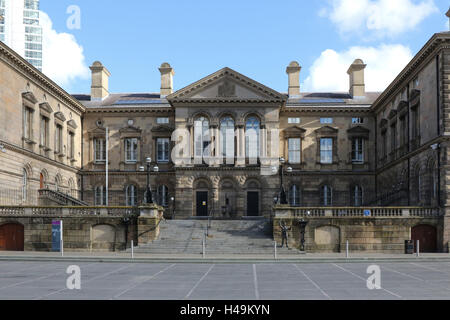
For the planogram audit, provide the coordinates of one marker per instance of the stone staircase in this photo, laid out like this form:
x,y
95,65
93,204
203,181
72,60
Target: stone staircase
x,y
52,197
224,237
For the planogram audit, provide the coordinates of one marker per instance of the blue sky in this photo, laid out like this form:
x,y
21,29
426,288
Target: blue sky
x,y
257,38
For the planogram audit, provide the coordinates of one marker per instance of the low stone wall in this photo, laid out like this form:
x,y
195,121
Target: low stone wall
x,y
85,229
328,231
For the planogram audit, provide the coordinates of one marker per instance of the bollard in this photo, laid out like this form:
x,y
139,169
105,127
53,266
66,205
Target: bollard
x,y
275,250
203,248
62,248
418,248
346,249
132,249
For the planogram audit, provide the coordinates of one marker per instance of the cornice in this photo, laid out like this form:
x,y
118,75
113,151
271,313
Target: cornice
x,y
130,110
437,42
29,71
325,109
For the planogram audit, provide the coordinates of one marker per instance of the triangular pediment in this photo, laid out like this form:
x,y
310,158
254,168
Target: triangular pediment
x,y
358,129
59,115
294,131
29,96
46,107
227,85
326,130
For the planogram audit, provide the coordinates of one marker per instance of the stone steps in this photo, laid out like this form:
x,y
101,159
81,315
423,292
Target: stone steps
x,y
225,237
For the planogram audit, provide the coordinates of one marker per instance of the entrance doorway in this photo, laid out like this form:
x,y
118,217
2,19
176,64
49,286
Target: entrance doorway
x,y
202,203
252,203
11,237
427,237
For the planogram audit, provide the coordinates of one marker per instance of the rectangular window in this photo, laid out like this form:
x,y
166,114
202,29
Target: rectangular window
x,y
326,150
403,132
326,120
131,146
44,131
358,150
415,122
99,150
357,120
394,138
100,196
28,123
294,146
383,144
294,120
71,144
163,149
162,120
58,138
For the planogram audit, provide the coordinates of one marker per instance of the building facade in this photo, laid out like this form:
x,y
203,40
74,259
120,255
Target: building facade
x,y
350,149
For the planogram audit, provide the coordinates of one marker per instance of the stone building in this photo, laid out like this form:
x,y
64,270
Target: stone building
x,y
354,148
40,134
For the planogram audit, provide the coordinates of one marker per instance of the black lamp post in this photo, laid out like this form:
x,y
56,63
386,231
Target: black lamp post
x,y
148,199
302,223
282,197
173,207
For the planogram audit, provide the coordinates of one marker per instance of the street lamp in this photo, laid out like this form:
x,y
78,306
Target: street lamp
x,y
148,191
302,223
173,207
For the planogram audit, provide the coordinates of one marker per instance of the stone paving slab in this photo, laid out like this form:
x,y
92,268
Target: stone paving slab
x,y
46,280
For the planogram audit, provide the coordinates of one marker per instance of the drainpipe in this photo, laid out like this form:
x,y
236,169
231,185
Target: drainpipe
x,y
376,160
409,147
438,84
82,159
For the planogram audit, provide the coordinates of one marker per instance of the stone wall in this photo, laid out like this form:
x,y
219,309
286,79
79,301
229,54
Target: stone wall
x,y
87,232
329,232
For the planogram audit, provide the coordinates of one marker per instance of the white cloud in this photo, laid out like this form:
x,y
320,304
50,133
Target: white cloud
x,y
384,63
62,57
381,17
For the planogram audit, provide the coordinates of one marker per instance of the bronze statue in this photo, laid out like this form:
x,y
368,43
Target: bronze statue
x,y
284,234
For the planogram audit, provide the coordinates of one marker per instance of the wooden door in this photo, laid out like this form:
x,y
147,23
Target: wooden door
x,y
427,237
12,237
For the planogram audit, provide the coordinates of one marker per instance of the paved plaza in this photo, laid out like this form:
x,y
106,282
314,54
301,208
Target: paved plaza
x,y
36,280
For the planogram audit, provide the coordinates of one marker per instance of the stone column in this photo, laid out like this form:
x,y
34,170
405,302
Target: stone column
x,y
241,151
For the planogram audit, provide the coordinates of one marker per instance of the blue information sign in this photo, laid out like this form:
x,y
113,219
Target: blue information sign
x,y
56,235
367,213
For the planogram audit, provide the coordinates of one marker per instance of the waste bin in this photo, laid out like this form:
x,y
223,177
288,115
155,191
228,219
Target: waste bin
x,y
409,247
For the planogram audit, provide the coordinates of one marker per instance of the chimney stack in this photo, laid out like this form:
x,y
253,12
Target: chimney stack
x,y
100,80
167,74
356,73
293,70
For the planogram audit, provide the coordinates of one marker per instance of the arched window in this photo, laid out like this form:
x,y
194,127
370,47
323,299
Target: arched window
x,y
227,137
24,185
357,196
202,137
419,182
163,192
294,196
327,195
131,195
252,127
100,196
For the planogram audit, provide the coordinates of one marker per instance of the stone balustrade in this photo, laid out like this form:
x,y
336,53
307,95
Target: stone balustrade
x,y
68,211
282,211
